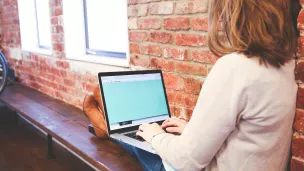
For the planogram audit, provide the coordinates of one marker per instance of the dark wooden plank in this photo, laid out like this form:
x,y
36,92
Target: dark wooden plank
x,y
24,148
47,101
68,129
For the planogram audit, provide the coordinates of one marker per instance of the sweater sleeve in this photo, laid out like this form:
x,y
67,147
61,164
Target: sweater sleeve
x,y
214,118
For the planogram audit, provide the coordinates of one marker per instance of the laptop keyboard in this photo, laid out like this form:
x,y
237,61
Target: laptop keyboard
x,y
133,135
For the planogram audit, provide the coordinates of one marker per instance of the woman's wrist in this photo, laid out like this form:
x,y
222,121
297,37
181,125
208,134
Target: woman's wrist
x,y
156,136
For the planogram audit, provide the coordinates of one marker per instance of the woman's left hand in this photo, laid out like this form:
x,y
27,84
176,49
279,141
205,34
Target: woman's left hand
x,y
148,131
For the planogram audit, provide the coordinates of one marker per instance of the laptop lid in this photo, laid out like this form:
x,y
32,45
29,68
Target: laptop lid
x,y
131,98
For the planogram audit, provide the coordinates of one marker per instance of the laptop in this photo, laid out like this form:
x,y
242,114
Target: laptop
x,y
131,98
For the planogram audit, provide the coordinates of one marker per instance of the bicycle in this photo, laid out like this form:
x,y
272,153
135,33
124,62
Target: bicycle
x,y
4,72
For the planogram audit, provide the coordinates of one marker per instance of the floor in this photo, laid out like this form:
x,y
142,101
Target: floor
x,y
24,148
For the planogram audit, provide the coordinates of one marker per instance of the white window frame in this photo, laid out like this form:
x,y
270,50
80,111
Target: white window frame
x,y
75,36
31,44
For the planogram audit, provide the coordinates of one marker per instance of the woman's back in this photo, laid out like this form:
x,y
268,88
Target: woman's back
x,y
261,138
242,120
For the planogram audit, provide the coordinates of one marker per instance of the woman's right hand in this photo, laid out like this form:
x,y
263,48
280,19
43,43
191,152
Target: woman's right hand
x,y
174,125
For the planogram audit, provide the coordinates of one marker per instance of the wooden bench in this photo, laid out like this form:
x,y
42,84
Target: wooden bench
x,y
68,125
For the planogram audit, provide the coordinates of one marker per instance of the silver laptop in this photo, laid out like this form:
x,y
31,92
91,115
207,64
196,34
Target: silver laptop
x,y
130,99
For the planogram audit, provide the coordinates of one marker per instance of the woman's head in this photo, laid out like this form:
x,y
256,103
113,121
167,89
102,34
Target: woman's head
x,y
264,29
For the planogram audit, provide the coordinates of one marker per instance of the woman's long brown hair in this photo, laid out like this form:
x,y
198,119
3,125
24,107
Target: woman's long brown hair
x,y
256,28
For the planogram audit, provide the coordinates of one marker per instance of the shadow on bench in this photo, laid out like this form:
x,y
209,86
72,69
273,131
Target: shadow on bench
x,y
67,125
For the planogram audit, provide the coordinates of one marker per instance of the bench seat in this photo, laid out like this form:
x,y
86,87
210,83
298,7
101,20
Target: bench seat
x,y
68,125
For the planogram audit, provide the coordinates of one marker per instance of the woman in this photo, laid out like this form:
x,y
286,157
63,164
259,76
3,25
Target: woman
x,y
243,117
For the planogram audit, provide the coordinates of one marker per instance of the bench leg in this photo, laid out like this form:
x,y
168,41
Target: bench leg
x,y
50,147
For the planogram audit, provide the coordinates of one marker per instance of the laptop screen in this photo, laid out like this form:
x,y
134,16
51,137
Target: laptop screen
x,y
132,100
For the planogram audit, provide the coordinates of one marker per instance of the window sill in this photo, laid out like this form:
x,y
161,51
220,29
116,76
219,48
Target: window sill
x,y
100,60
39,51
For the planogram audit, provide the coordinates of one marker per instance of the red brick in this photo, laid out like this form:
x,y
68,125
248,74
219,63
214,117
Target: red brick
x,y
296,164
54,71
33,57
203,56
47,76
138,36
190,100
54,20
301,20
179,23
161,8
138,10
175,110
56,3
57,38
58,46
90,87
57,29
170,96
191,68
299,121
200,24
47,83
47,90
57,11
72,91
138,60
173,81
191,6
188,113
34,85
92,79
297,145
162,64
299,71
161,37
154,50
190,40
178,98
176,53
300,98
62,88
132,2
192,85
183,99
69,82
63,64
134,48
149,23
300,46
63,96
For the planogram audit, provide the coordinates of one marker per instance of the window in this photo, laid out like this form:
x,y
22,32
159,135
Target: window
x,y
35,25
100,32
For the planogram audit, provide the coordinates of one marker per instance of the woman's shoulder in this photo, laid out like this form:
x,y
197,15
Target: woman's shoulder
x,y
238,59
252,70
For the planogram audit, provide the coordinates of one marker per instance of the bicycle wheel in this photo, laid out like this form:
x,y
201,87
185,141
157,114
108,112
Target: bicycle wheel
x,y
3,72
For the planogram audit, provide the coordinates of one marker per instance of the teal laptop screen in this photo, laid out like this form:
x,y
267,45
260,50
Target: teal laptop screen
x,y
134,99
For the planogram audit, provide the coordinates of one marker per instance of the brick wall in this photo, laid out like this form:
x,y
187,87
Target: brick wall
x,y
297,161
168,35
171,35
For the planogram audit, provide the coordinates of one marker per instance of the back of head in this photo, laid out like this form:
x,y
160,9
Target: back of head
x,y
264,29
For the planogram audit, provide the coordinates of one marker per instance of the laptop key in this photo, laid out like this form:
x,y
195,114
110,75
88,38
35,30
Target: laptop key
x,y
133,135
